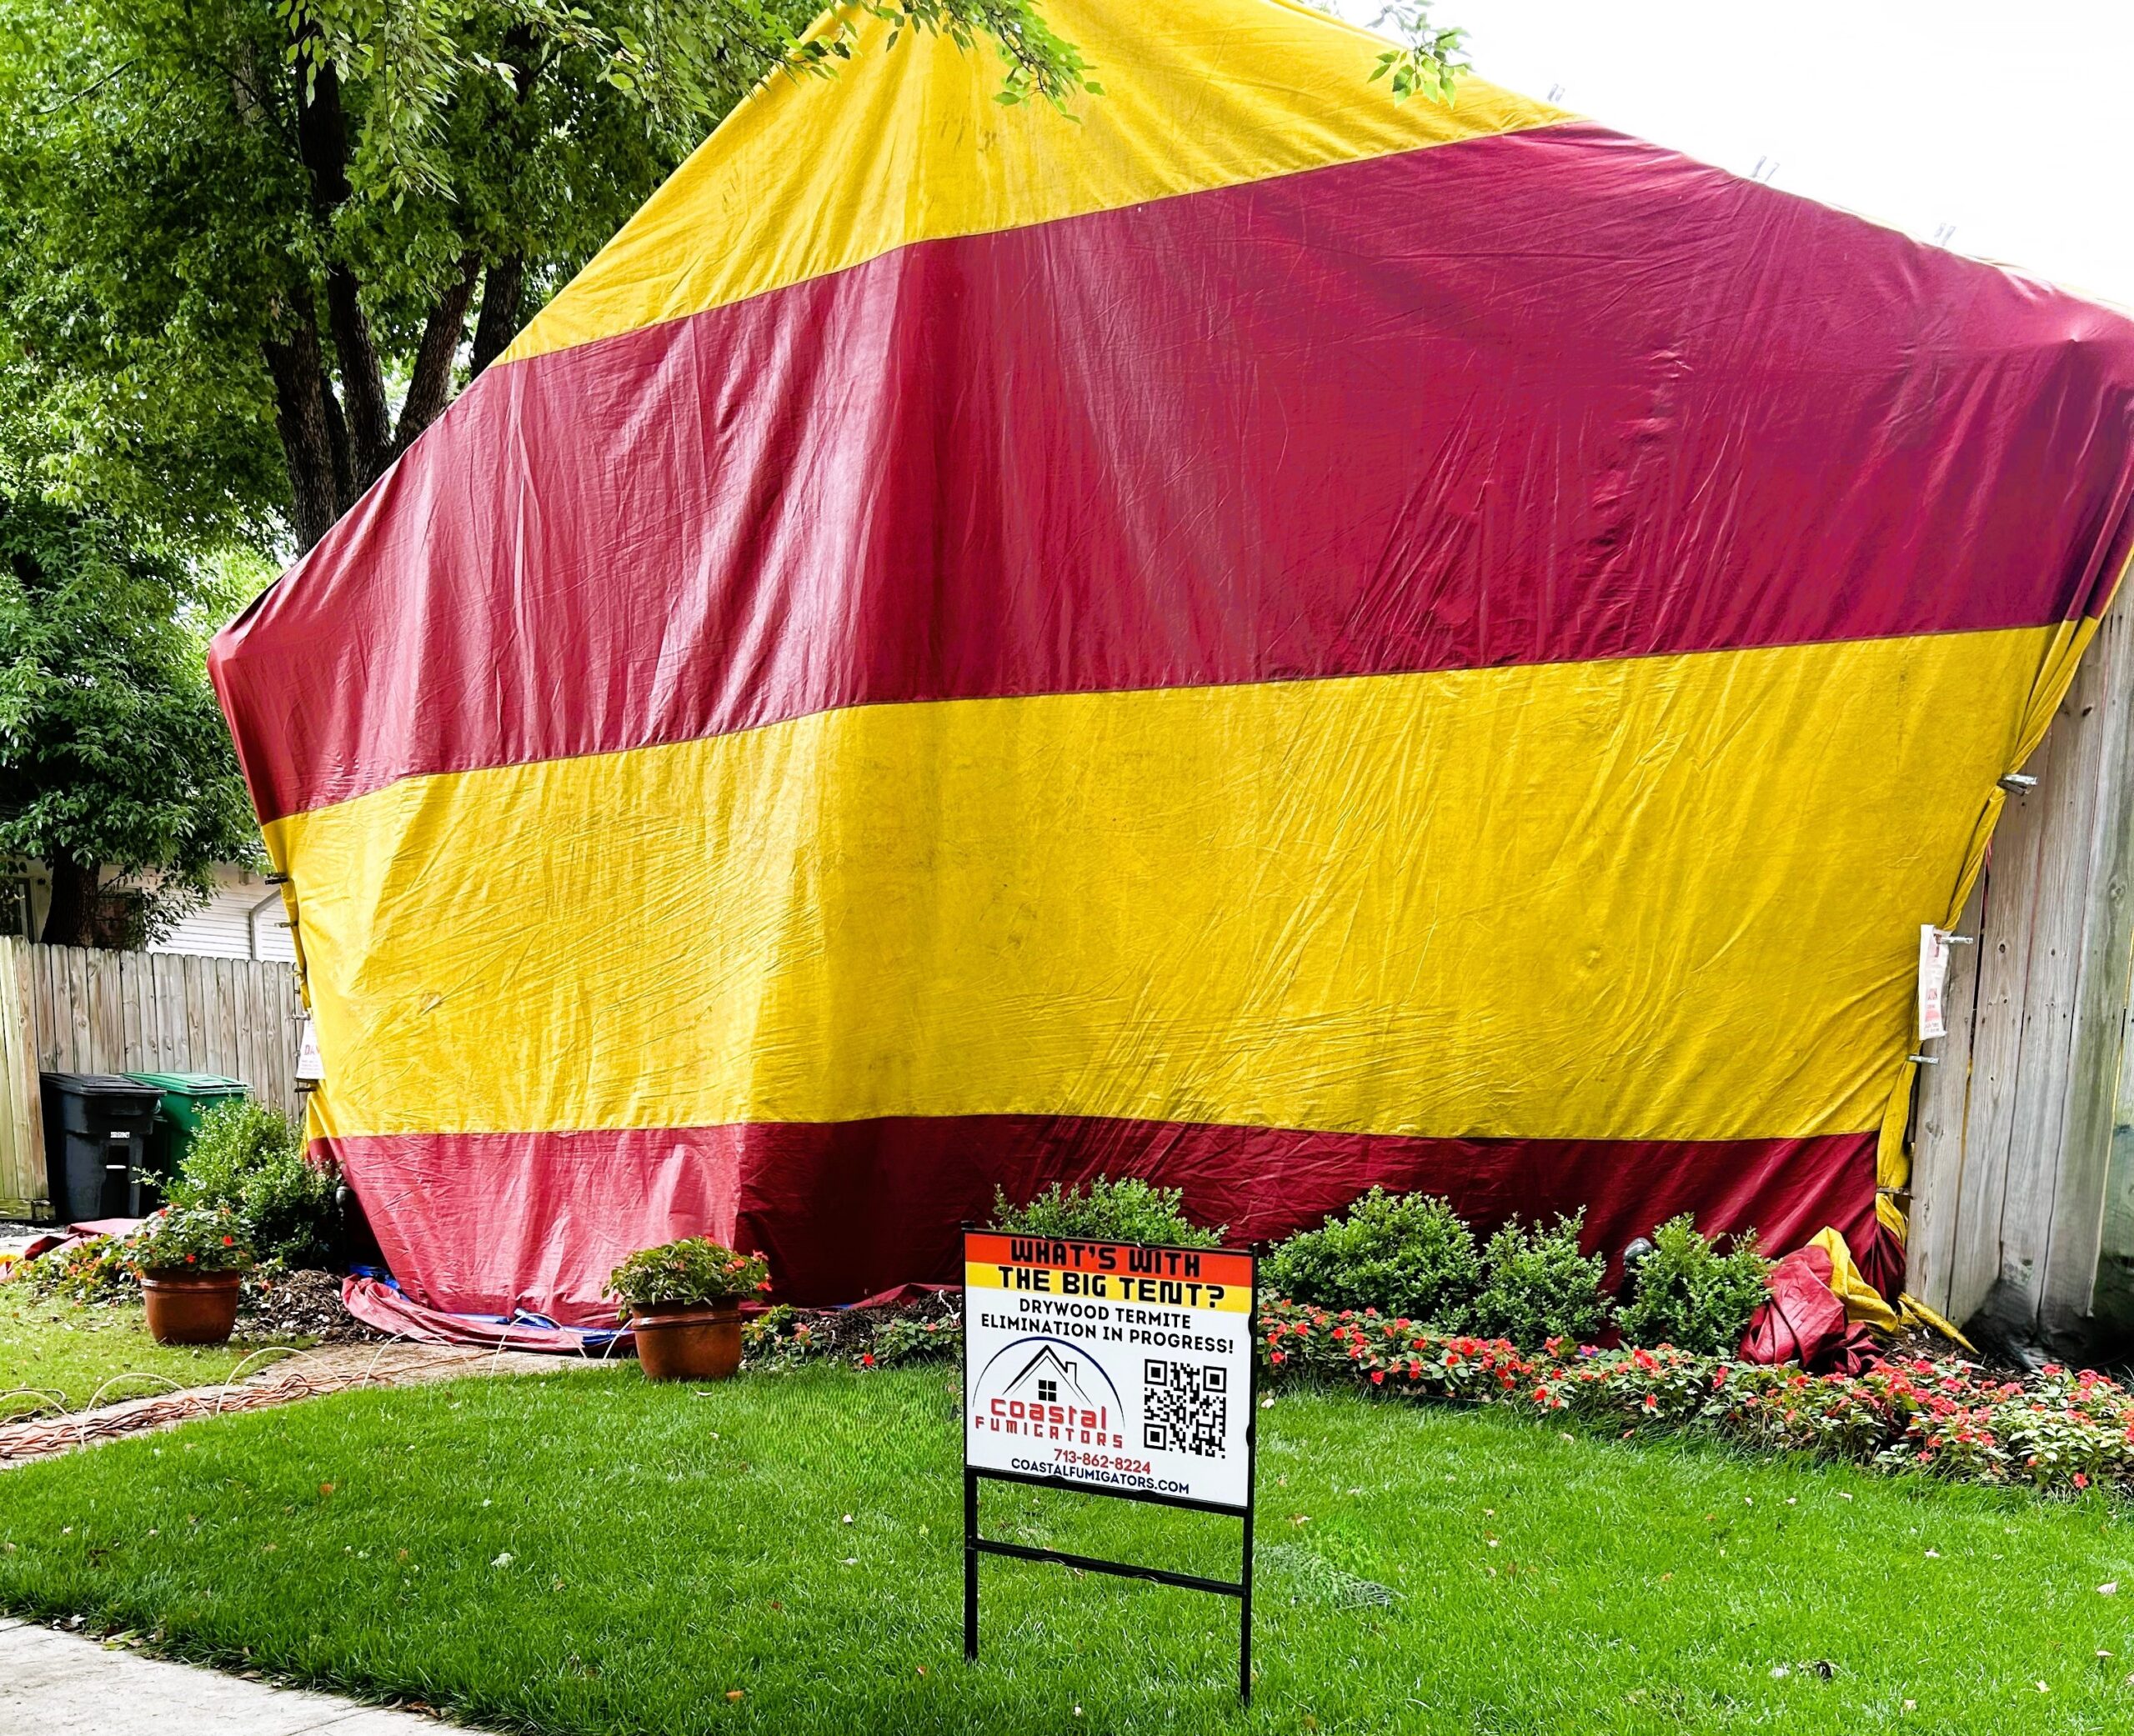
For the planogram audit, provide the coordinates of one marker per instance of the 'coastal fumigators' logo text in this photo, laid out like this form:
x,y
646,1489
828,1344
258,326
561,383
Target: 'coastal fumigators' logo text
x,y
1040,1390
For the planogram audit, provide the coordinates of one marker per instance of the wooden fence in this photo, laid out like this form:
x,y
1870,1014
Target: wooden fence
x,y
2013,1140
68,1009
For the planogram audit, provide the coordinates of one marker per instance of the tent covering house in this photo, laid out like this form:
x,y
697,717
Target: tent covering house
x,y
1253,634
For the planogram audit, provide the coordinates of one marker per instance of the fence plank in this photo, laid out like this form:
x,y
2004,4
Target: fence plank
x,y
170,1011
1996,1051
23,1185
1937,1158
2074,1231
227,1058
282,1007
81,1045
151,1015
107,1012
196,1016
134,1056
40,959
2067,800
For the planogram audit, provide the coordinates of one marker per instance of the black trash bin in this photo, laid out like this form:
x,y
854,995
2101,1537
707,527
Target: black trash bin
x,y
96,1142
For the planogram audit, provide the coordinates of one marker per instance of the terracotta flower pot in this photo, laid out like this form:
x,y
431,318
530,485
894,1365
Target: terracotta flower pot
x,y
689,1344
191,1308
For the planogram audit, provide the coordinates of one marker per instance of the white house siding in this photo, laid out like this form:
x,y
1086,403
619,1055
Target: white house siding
x,y
242,918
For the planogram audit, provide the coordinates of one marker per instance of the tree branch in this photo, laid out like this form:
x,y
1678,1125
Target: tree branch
x,y
430,384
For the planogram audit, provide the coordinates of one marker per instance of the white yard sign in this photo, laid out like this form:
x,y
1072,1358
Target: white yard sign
x,y
1123,1369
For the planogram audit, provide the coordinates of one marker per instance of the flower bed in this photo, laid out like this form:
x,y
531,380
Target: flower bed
x,y
931,1329
2060,1431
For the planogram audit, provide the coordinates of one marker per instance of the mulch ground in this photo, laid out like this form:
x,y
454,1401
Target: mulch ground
x,y
301,1305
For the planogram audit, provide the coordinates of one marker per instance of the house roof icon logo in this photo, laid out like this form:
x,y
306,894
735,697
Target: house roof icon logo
x,y
1049,1369
1038,1370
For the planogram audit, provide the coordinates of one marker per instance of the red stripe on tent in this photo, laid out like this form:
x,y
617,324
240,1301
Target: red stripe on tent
x,y
492,1223
484,1222
1549,396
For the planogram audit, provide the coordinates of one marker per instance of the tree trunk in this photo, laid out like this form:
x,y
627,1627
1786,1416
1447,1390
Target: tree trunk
x,y
337,434
362,377
501,293
429,384
503,288
303,416
322,141
70,919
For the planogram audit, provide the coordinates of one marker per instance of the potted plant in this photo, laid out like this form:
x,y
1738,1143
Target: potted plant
x,y
191,1260
683,1300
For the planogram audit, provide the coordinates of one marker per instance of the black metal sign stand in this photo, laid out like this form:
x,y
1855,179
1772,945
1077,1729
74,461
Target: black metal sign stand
x,y
975,1545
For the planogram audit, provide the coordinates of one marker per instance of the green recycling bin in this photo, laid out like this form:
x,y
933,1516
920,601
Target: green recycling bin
x,y
187,1097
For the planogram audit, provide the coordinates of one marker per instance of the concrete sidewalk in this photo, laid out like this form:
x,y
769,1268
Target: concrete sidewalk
x,y
60,1684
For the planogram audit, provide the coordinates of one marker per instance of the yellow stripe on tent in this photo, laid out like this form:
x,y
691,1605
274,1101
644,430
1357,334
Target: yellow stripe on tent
x,y
1602,900
907,144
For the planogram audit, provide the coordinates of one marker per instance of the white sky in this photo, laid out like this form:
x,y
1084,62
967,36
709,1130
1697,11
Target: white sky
x,y
2012,121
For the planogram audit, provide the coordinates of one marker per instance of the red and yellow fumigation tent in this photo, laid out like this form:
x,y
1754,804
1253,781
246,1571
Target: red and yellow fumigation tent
x,y
1253,635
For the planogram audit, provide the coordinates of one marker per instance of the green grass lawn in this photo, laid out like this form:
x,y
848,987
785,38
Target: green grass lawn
x,y
68,1355
596,1555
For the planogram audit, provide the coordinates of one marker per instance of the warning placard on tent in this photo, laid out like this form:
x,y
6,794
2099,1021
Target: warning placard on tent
x,y
1933,981
1119,1367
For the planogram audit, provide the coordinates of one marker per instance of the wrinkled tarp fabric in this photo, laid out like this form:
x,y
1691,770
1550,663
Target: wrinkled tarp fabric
x,y
1260,637
1804,1320
383,1306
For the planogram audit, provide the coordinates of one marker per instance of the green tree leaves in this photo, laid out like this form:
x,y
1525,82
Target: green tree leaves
x,y
112,753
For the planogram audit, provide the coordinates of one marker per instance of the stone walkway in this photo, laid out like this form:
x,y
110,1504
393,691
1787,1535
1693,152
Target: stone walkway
x,y
60,1684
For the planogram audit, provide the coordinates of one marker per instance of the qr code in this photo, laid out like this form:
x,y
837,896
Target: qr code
x,y
1184,1407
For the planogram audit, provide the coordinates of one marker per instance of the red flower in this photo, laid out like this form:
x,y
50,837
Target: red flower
x,y
866,1361
229,1241
1378,1377
1278,1358
2081,1480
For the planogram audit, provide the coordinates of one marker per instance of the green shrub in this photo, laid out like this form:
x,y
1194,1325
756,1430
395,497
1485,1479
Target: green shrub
x,y
1106,1211
1405,1255
1687,1294
1540,1287
94,1271
251,1158
783,1338
911,1338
